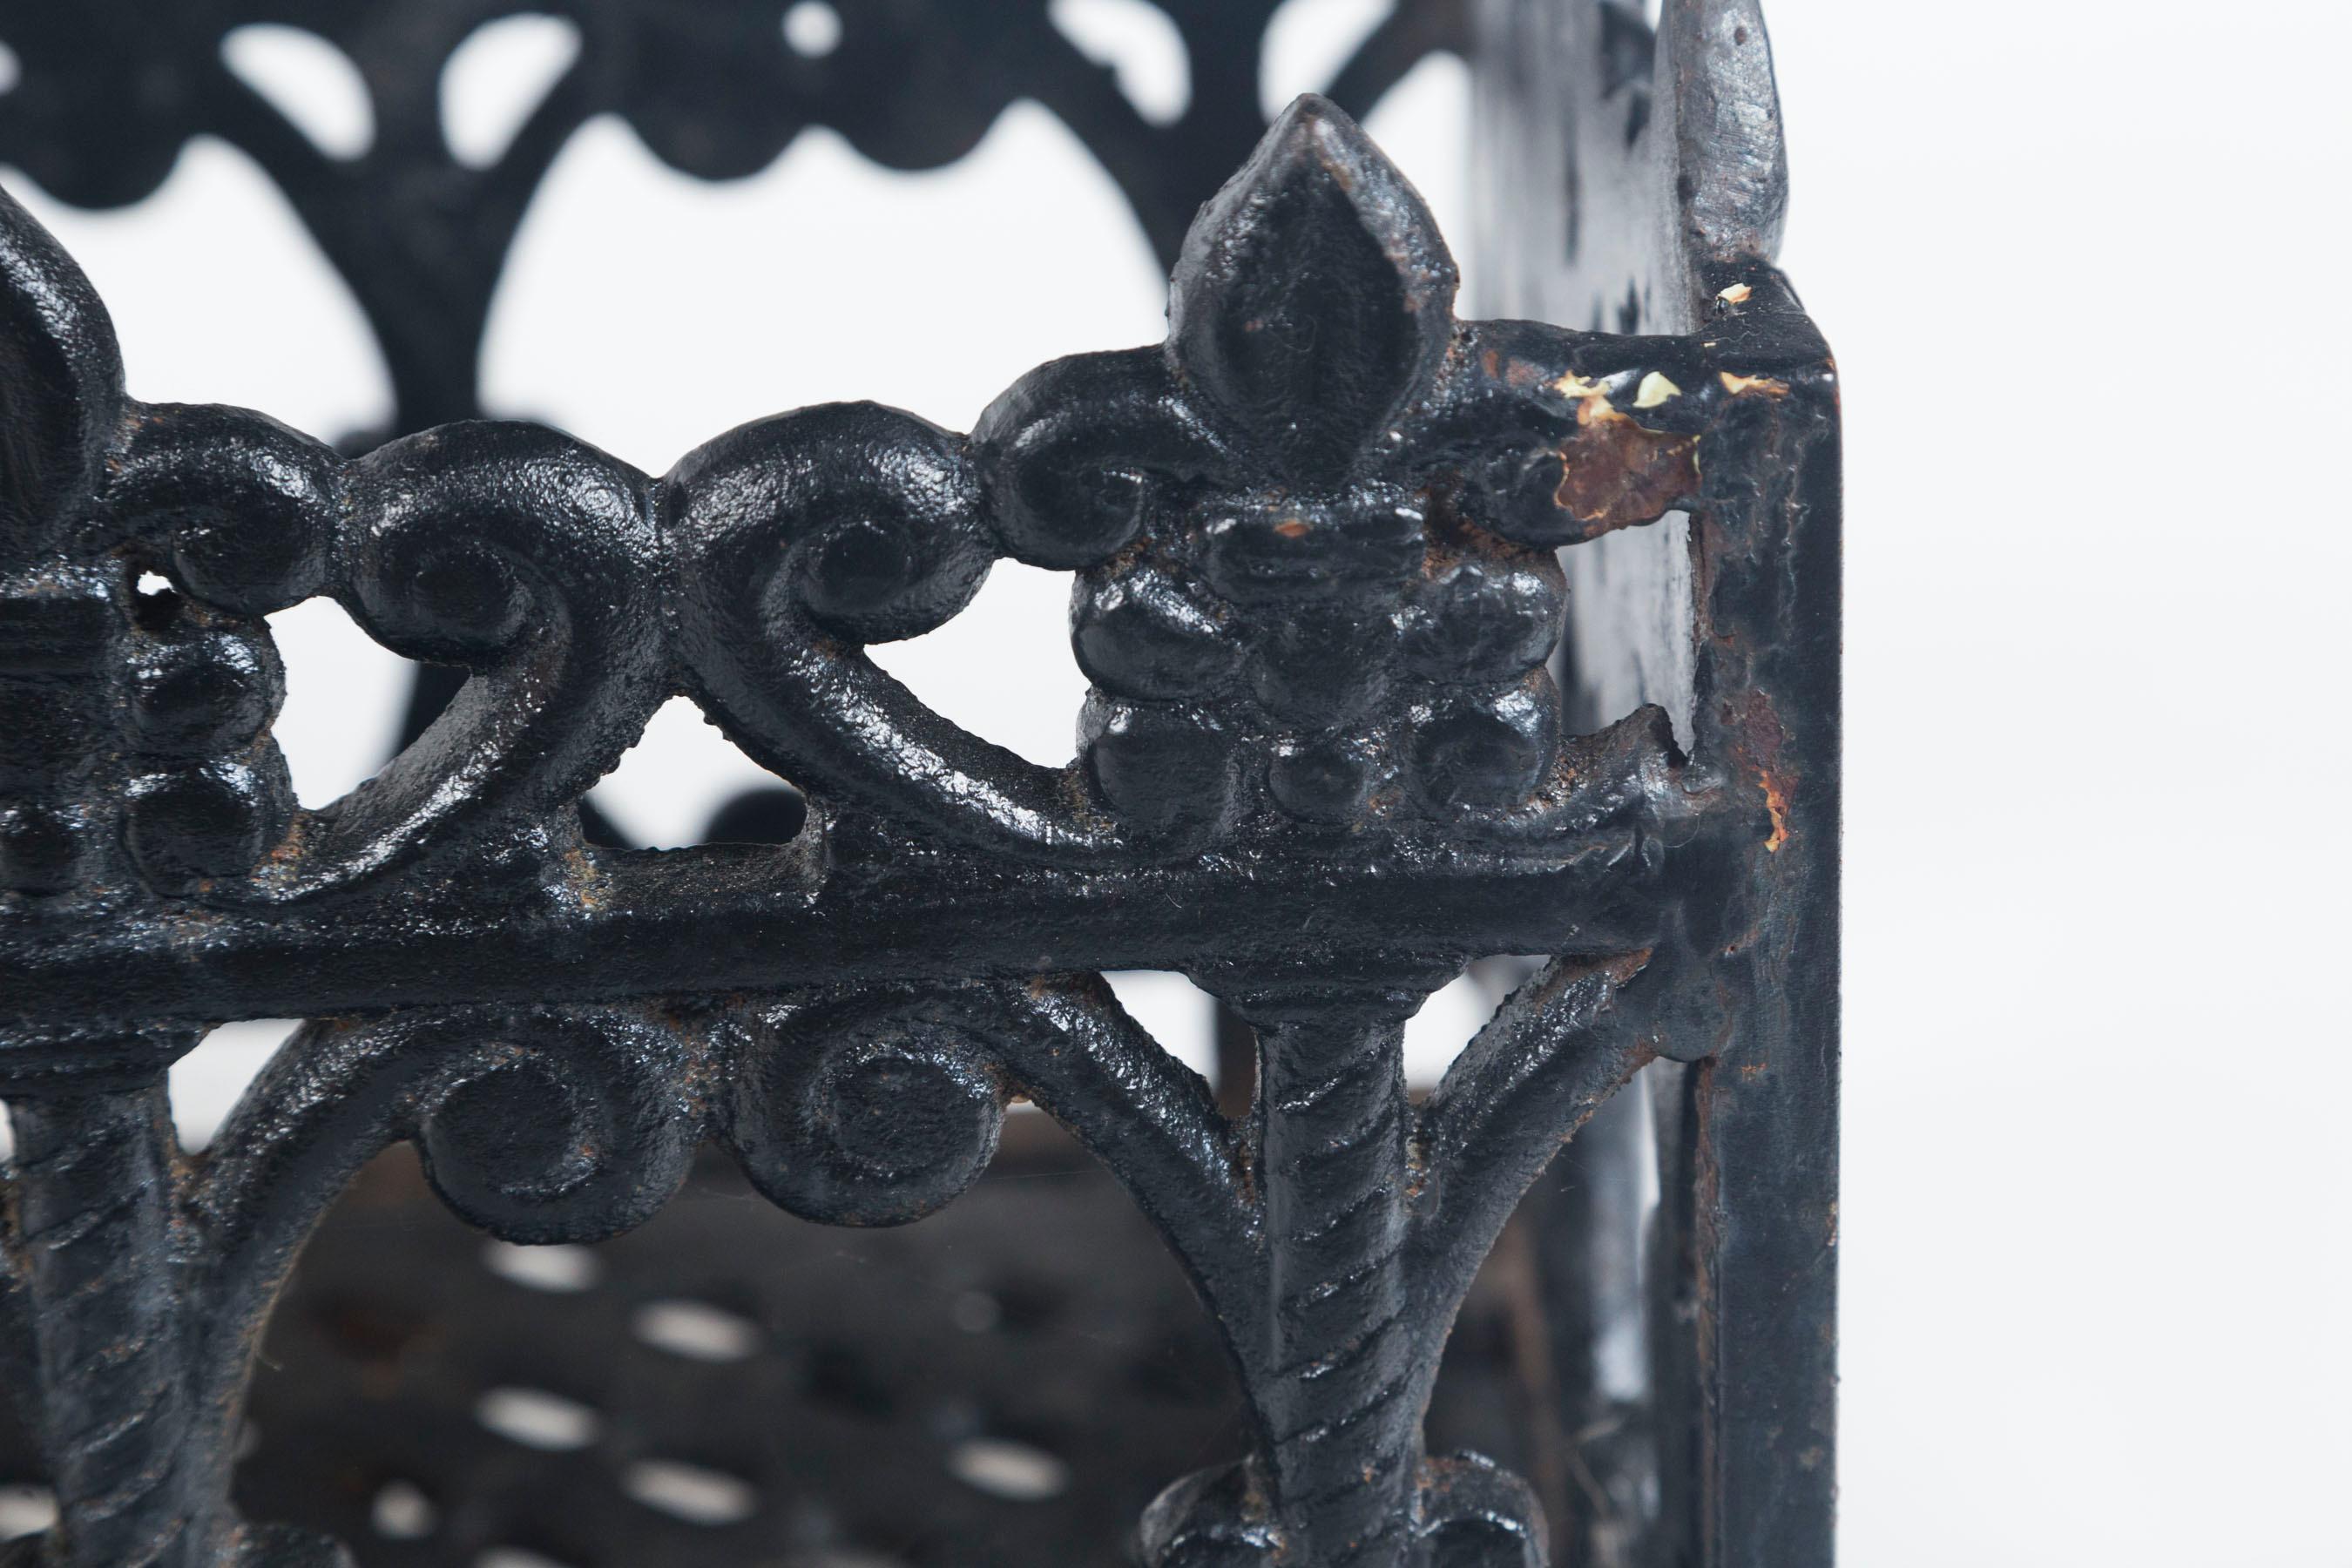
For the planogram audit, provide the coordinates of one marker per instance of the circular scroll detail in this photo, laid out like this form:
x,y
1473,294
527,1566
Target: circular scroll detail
x,y
873,1113
1084,454
864,519
250,511
560,1127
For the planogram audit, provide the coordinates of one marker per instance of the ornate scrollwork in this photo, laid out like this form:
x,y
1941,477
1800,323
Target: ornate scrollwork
x,y
559,1128
879,1105
799,539
532,560
1309,604
537,1125
1334,1240
1294,611
1301,616
867,1113
1320,765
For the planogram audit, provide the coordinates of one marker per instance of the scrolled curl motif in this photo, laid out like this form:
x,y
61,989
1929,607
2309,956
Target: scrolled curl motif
x,y
537,1125
1315,594
532,560
794,542
520,555
1306,600
863,1110
1333,1236
880,1105
559,1128
1314,591
249,515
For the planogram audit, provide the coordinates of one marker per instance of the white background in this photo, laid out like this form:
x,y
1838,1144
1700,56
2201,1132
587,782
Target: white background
x,y
2083,267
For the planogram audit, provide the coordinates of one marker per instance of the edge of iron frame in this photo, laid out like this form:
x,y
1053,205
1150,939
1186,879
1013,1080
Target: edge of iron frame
x,y
1634,181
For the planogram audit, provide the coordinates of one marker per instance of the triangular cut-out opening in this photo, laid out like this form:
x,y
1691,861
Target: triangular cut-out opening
x,y
1003,669
207,1083
1458,1011
1178,1013
345,696
685,783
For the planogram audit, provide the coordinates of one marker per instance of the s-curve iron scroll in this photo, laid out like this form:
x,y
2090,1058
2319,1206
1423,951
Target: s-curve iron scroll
x,y
1323,543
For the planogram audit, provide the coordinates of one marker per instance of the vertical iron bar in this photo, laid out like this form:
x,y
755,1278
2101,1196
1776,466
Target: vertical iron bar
x,y
94,1186
1338,1396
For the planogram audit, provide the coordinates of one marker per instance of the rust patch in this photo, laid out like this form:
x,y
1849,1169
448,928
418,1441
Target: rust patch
x,y
1764,385
1518,373
1625,965
580,876
1756,739
1293,528
1615,472
1775,800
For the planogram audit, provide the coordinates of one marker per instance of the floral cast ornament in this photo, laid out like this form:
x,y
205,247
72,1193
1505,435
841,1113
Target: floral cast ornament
x,y
1315,590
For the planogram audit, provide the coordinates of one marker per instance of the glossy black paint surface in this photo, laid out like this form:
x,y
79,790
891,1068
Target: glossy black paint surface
x,y
1316,537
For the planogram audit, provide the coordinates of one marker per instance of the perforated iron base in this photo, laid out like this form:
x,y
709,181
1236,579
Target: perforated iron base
x,y
1008,1381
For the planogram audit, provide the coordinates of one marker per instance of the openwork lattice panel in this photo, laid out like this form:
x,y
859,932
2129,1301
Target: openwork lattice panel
x,y
1321,539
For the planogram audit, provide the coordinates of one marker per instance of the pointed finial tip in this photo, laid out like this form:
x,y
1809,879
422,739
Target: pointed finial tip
x,y
1312,118
1316,149
1313,292
1313,106
1731,161
1315,144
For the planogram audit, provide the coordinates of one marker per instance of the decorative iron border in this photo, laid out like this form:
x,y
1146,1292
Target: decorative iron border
x,y
1321,769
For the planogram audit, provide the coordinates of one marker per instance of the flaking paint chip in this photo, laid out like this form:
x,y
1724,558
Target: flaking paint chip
x,y
1735,295
1654,389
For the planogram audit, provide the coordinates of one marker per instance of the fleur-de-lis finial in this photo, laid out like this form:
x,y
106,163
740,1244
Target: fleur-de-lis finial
x,y
1313,296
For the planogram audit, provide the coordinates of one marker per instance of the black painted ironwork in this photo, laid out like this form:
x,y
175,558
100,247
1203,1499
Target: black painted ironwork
x,y
1321,540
